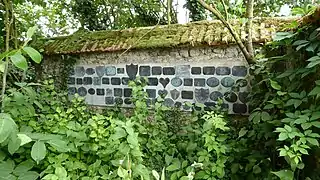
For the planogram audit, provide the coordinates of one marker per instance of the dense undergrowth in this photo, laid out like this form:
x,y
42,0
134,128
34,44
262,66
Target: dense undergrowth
x,y
45,135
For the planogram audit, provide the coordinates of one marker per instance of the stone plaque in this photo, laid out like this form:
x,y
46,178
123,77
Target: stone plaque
x,y
156,70
196,70
176,82
79,71
82,91
213,82
111,70
144,71
241,71
132,71
90,71
183,71
100,70
175,94
168,71
164,82
201,95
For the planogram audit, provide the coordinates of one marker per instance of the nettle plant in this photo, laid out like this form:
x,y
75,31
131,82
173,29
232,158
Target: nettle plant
x,y
290,87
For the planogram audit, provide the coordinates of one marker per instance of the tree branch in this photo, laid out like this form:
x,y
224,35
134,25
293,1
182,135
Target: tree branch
x,y
225,9
249,14
234,34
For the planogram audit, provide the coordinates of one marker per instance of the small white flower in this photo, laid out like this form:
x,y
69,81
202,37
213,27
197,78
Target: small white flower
x,y
120,162
197,165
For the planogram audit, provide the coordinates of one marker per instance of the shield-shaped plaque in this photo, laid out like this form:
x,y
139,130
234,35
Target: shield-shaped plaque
x,y
201,95
175,94
132,71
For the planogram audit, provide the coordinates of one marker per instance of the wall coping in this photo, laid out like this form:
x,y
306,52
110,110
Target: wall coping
x,y
209,33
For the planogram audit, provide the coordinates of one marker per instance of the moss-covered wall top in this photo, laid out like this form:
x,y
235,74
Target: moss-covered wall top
x,y
196,33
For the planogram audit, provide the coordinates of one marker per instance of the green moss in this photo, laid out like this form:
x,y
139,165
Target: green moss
x,y
202,32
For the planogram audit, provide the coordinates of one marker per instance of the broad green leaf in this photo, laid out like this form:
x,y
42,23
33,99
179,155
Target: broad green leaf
x,y
31,31
14,144
315,91
306,125
313,141
314,58
38,151
316,124
122,172
30,175
119,133
7,126
156,175
33,54
299,42
23,167
59,145
6,167
256,169
24,139
313,63
283,136
242,132
265,116
19,61
61,172
284,174
2,155
275,85
174,166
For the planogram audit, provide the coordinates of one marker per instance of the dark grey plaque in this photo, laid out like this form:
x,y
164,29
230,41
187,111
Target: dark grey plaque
x,y
230,97
214,96
71,80
240,108
151,93
72,90
127,101
79,81
115,81
201,95
79,71
213,82
120,70
144,71
127,92
125,80
118,101
243,97
156,70
132,71
91,91
117,92
187,94
168,71
82,91
97,81
153,81
223,71
227,81
100,70
90,71
175,94
164,82
188,82
208,70
196,70
241,71
162,93
105,80
200,82
111,70
168,102
100,92
109,100
177,104
109,92
176,82
183,70
87,80
242,82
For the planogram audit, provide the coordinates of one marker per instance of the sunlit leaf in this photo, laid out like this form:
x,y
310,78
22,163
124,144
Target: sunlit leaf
x,y
34,54
19,61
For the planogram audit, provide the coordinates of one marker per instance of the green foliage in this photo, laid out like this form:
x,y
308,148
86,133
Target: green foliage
x,y
286,96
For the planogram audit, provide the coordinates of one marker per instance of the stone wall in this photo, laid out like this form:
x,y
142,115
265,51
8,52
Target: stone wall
x,y
179,75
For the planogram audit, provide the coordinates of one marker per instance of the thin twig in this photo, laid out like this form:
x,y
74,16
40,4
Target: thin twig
x,y
225,9
4,78
140,39
234,34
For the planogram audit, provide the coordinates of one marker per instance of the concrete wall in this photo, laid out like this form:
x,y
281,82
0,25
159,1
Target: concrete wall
x,y
179,75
